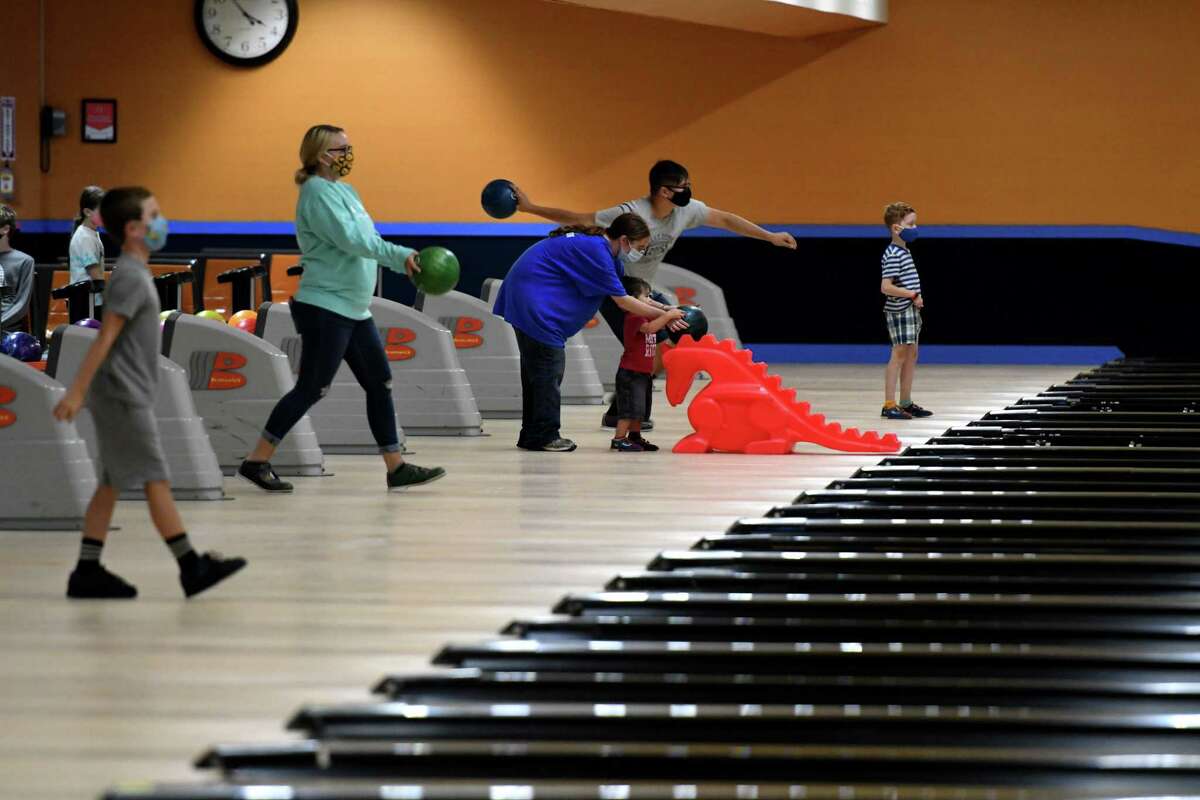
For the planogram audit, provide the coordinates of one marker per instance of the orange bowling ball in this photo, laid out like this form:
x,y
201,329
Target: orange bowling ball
x,y
244,320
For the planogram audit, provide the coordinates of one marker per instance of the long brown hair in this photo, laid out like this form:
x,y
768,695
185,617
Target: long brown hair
x,y
628,224
316,141
89,200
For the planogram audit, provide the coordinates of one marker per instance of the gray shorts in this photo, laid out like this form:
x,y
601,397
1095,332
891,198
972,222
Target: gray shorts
x,y
130,454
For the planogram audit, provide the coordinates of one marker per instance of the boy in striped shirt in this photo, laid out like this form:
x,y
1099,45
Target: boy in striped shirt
x,y
902,309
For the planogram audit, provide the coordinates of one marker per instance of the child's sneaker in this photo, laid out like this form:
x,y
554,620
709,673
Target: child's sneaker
x,y
627,445
98,584
895,412
406,475
647,446
210,569
915,410
262,475
559,445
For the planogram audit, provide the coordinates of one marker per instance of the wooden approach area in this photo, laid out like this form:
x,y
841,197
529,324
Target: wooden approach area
x,y
347,583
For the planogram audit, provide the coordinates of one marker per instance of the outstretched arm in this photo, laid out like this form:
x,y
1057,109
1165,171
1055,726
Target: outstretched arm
x,y
632,305
744,227
665,318
72,401
559,215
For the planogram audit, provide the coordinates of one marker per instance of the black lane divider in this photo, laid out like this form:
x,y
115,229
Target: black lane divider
x,y
1011,610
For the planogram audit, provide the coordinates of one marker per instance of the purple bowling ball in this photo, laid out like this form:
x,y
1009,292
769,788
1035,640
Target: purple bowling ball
x,y
87,322
7,342
24,347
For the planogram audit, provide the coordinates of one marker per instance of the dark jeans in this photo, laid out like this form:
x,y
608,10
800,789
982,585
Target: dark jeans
x,y
328,338
542,368
615,318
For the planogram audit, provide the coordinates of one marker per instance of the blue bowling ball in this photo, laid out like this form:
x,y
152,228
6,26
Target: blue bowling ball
x,y
23,346
87,322
7,342
499,199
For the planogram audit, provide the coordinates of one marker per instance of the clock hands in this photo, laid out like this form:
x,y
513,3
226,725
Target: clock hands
x,y
253,20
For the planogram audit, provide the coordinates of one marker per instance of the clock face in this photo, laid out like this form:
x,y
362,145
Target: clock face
x,y
246,32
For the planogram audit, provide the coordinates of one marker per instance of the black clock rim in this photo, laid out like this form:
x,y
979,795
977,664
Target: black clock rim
x,y
257,61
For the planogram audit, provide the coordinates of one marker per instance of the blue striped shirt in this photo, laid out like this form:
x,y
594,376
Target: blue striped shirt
x,y
898,265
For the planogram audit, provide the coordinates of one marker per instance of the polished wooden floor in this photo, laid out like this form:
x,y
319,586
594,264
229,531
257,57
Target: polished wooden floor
x,y
347,582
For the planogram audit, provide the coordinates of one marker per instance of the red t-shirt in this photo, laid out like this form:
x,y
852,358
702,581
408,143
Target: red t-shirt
x,y
639,347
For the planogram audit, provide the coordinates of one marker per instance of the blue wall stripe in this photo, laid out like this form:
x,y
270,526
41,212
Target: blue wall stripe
x,y
519,229
934,354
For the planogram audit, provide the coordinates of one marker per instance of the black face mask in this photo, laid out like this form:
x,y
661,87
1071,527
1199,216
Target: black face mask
x,y
682,196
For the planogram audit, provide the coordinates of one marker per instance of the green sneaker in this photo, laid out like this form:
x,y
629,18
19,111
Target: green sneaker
x,y
407,475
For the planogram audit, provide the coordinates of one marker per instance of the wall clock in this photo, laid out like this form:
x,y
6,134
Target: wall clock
x,y
246,33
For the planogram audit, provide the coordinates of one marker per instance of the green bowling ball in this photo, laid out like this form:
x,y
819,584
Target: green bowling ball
x,y
439,271
165,315
208,313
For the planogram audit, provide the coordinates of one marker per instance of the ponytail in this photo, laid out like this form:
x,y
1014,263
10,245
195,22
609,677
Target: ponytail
x,y
89,200
628,224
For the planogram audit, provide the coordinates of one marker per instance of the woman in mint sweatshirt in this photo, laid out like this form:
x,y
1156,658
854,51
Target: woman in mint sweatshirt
x,y
332,310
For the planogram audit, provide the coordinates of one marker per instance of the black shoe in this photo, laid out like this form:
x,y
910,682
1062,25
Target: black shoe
x,y
649,448
406,475
262,475
915,410
559,445
98,584
611,420
211,568
895,412
627,445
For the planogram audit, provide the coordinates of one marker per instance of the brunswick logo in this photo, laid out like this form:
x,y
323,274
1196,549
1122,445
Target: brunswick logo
x,y
7,417
216,371
465,330
395,343
686,295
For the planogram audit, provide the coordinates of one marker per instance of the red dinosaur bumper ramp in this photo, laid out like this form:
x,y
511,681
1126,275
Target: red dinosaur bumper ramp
x,y
745,410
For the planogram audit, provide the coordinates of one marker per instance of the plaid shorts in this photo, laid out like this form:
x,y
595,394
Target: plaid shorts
x,y
904,326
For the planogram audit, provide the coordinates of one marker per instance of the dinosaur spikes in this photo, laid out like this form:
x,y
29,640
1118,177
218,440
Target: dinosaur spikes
x,y
788,396
854,433
761,369
870,436
818,419
773,382
834,427
803,407
726,344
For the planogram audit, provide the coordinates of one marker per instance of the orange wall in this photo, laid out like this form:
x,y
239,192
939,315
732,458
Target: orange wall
x,y
977,111
19,79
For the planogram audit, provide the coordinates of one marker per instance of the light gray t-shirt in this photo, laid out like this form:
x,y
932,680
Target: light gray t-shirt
x,y
85,250
16,287
663,232
130,373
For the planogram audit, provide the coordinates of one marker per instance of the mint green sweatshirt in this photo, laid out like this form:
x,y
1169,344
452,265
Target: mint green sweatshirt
x,y
340,249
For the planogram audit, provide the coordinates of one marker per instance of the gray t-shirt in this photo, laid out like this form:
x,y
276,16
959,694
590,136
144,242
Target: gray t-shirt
x,y
16,287
663,232
130,373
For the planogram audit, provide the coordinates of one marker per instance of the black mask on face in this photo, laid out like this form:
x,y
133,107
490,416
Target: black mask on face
x,y
682,196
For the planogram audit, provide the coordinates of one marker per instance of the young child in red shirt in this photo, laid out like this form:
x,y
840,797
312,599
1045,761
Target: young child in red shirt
x,y
637,365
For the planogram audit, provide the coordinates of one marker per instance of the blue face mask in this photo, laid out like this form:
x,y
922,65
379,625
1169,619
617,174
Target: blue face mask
x,y
156,234
908,235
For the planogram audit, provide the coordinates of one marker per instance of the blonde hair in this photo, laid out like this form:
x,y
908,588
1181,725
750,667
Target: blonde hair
x,y
315,142
895,213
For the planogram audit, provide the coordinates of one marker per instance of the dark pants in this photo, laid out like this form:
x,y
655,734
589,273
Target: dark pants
x,y
615,318
328,338
542,368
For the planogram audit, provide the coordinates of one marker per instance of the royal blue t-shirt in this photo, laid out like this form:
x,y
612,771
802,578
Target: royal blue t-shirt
x,y
557,285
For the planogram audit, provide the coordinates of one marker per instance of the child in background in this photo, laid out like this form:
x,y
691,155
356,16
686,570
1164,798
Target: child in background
x,y
637,365
86,251
124,364
901,286
16,276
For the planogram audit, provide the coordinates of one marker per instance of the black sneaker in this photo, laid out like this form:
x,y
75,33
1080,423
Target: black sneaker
x,y
649,448
627,445
211,568
407,475
262,475
559,445
611,420
895,412
98,584
915,410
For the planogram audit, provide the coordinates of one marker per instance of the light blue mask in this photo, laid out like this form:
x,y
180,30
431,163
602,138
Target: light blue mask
x,y
908,235
156,234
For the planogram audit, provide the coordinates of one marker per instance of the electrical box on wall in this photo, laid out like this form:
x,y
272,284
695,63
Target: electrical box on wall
x,y
54,122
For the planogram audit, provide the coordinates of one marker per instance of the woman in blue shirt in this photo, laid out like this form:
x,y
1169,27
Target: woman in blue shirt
x,y
332,310
550,293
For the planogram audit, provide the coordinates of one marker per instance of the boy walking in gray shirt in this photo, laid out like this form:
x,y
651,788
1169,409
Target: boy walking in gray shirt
x,y
121,371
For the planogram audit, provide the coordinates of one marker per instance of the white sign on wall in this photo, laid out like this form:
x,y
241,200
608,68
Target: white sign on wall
x,y
8,128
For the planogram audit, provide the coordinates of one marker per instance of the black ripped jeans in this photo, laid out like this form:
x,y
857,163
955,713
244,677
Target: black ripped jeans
x,y
327,339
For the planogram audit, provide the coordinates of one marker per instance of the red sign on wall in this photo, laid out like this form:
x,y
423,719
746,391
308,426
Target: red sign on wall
x,y
99,121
